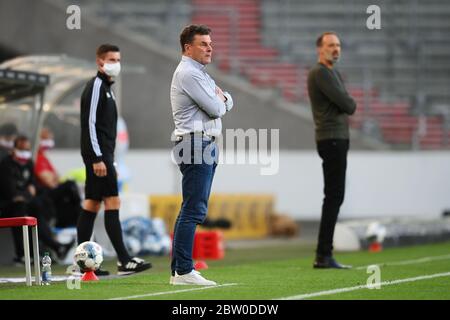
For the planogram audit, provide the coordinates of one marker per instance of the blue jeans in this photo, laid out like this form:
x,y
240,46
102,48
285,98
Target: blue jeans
x,y
196,188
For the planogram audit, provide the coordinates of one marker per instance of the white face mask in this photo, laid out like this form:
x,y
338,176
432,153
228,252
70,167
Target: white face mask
x,y
47,143
112,69
23,154
7,143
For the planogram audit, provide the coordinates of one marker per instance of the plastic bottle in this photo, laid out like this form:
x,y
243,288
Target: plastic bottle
x,y
46,269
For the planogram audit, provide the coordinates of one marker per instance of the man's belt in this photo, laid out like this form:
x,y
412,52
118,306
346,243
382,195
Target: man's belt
x,y
192,134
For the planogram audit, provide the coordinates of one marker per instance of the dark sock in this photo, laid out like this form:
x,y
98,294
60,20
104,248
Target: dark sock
x,y
85,225
114,231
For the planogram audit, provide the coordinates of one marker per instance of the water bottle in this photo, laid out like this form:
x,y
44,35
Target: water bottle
x,y
46,269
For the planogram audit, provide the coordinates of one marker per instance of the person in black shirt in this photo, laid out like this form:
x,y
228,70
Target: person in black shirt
x,y
331,107
61,198
8,132
98,140
18,198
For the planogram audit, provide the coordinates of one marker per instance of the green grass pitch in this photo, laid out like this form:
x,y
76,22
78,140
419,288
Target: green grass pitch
x,y
268,273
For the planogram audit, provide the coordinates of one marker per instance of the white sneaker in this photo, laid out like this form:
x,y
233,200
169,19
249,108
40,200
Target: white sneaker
x,y
173,277
191,278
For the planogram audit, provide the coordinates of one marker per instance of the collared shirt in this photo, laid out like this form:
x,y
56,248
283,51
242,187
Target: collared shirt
x,y
195,105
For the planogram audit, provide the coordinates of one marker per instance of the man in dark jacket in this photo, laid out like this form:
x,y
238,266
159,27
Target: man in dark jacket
x,y
8,133
18,198
331,106
98,140
62,199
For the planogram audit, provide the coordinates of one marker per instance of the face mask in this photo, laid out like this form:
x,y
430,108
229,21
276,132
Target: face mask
x,y
22,155
112,69
47,144
7,143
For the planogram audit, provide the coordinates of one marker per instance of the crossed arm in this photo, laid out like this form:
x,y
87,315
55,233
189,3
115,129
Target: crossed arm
x,y
330,87
214,102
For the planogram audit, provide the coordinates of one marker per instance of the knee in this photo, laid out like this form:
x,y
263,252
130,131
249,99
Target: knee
x,y
202,210
92,206
197,215
201,218
112,203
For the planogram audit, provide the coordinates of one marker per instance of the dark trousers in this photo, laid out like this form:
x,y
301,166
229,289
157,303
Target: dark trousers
x,y
334,163
63,204
196,188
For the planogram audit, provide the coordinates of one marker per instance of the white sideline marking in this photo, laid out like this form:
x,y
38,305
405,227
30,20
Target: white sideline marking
x,y
348,289
174,291
22,279
406,262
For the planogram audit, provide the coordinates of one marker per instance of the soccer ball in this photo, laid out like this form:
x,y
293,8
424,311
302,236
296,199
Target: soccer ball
x,y
88,256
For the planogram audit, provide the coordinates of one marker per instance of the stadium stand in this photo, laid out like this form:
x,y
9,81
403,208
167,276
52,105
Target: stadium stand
x,y
399,75
161,19
152,62
238,36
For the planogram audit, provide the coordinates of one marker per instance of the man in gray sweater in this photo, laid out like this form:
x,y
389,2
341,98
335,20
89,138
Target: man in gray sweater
x,y
331,106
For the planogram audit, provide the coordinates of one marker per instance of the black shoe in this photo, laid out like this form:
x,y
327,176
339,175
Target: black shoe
x,y
328,263
100,272
133,266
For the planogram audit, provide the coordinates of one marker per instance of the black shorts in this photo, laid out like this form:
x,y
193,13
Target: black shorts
x,y
97,188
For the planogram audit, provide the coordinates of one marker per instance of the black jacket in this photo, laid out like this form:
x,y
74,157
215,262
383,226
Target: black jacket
x,y
98,117
331,103
15,179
